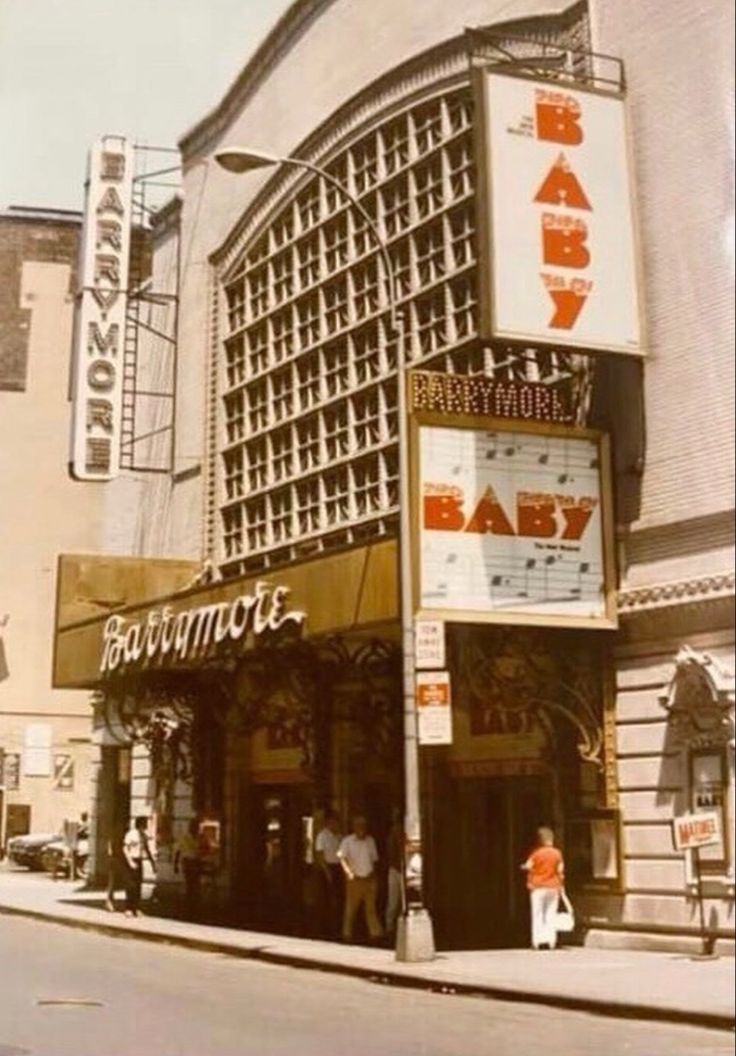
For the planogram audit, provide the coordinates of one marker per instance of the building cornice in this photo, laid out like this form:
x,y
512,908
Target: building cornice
x,y
295,21
675,593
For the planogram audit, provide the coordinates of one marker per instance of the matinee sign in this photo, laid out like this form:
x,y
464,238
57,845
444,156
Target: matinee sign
x,y
700,829
560,248
511,526
100,313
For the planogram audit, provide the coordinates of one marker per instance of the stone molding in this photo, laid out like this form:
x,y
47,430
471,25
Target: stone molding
x,y
678,592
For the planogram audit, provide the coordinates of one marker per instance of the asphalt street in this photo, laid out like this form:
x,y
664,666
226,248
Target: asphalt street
x,y
65,992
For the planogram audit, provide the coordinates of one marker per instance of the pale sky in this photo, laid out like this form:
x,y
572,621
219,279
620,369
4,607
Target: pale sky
x,y
71,70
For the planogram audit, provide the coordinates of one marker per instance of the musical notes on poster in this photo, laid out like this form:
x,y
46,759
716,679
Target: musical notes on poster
x,y
510,522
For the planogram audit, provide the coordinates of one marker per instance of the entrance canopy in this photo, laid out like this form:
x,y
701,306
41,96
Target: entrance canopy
x,y
182,627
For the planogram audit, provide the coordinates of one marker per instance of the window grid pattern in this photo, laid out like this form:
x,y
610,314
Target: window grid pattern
x,y
310,458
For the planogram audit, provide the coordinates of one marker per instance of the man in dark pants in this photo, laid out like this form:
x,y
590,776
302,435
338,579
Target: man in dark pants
x,y
135,849
331,875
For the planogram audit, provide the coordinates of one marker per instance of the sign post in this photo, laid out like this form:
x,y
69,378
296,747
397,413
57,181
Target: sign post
x,y
690,833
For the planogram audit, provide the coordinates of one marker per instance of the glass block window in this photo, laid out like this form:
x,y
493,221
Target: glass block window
x,y
336,371
366,297
309,381
281,453
308,506
336,243
257,461
308,443
428,126
337,496
336,305
366,354
365,165
337,436
309,258
395,206
366,486
234,361
395,142
282,527
309,385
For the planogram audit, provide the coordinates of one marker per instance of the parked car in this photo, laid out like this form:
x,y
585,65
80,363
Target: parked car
x,y
56,859
28,850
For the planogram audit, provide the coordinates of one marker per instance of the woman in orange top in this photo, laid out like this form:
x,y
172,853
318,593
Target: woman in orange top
x,y
545,874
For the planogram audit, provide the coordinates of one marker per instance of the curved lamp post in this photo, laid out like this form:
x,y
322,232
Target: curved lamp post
x,y
415,939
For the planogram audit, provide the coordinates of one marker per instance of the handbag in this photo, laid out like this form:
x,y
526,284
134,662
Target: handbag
x,y
564,919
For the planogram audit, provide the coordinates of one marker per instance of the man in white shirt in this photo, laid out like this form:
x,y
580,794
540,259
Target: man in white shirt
x,y
358,857
326,848
136,848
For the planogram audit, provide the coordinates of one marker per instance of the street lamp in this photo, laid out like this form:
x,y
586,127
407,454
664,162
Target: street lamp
x,y
415,939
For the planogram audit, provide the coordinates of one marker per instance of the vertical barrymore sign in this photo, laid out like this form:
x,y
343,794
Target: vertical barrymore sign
x,y
100,319
558,242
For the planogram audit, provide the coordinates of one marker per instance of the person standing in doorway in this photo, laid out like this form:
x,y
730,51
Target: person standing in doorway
x,y
330,872
395,847
545,874
136,850
358,857
188,857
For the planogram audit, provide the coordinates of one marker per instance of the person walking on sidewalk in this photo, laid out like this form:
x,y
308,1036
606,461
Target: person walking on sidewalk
x,y
545,872
358,857
136,849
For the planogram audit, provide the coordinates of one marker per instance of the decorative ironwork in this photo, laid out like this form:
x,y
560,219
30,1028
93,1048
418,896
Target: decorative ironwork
x,y
699,701
516,670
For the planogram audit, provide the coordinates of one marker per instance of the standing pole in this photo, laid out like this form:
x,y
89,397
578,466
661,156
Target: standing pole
x,y
414,937
704,943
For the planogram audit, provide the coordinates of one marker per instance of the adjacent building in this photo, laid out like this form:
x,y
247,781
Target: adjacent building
x,y
253,676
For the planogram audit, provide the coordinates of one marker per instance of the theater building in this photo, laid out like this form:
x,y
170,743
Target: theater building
x,y
252,674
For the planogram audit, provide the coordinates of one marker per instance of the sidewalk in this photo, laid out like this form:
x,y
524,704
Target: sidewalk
x,y
634,984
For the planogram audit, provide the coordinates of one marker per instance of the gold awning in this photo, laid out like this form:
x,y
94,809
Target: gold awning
x,y
354,590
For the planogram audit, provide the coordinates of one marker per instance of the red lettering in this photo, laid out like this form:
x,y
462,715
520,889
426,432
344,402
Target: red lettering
x,y
443,513
563,241
489,516
568,306
535,515
558,119
562,187
576,515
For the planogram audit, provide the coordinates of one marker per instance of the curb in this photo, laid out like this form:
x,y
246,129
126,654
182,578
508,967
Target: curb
x,y
613,1009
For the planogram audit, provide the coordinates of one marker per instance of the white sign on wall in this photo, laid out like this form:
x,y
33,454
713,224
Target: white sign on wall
x,y
100,315
434,707
512,527
559,241
429,644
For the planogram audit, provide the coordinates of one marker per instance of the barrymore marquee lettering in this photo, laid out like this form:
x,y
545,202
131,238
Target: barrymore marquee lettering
x,y
192,632
100,321
476,395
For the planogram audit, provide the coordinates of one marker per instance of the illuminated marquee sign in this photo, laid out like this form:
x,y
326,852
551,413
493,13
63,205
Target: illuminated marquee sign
x,y
473,394
190,633
100,318
558,245
512,525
